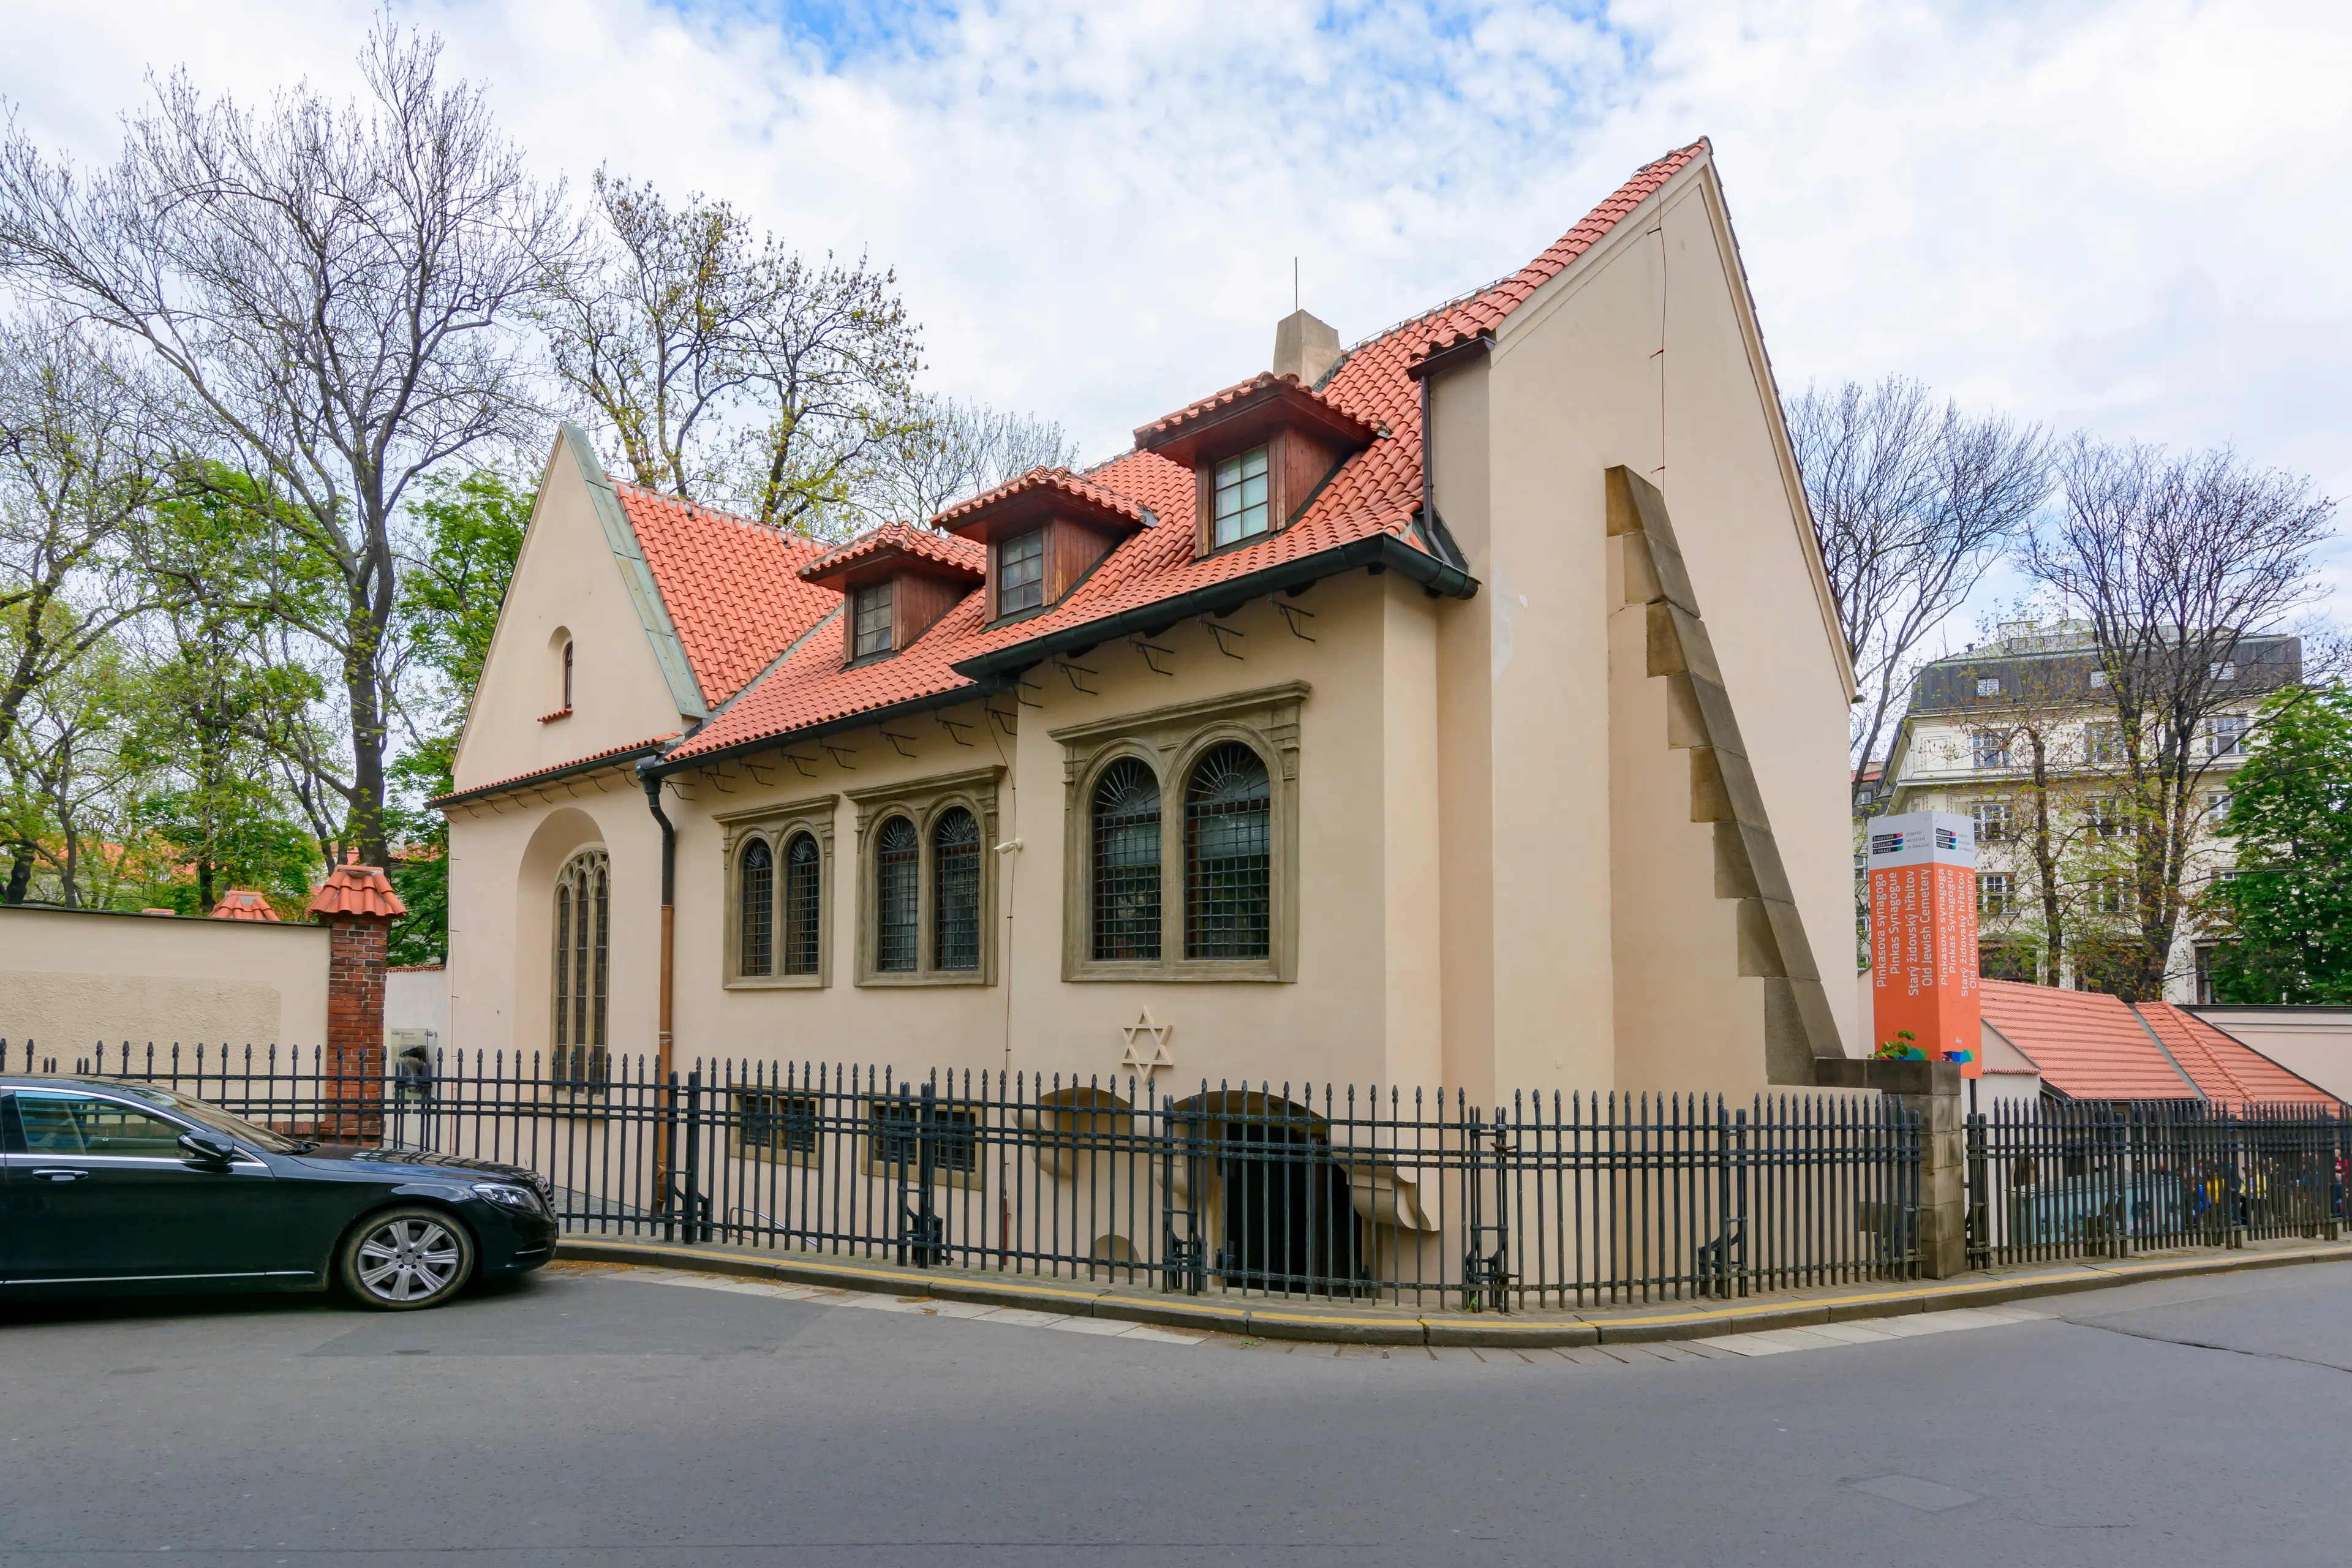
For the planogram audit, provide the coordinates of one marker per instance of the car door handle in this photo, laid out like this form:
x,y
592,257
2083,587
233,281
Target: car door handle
x,y
58,1175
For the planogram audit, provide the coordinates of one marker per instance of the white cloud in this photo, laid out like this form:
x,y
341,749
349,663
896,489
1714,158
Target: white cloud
x,y
2125,216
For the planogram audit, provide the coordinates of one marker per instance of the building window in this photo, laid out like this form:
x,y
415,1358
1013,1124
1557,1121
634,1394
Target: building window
x,y
2110,895
926,896
583,949
771,1123
2228,735
755,892
2225,671
567,675
2108,818
2098,680
1993,893
1126,830
1989,750
1991,817
870,609
1238,498
901,1133
2217,805
1988,686
1021,573
897,897
1181,841
955,896
803,905
2104,745
1228,862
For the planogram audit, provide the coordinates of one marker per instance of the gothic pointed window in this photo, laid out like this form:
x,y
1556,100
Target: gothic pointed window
x,y
756,909
955,890
1228,855
897,897
1126,834
803,903
581,969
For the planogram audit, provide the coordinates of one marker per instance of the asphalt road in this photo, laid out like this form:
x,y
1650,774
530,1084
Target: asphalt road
x,y
591,1419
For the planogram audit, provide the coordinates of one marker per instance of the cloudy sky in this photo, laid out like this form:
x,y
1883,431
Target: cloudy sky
x,y
2130,217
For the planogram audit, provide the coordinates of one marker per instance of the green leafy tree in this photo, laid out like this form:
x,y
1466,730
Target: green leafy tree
x,y
2287,915
469,529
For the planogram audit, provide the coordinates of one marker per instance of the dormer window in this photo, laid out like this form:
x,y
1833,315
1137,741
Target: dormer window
x,y
1238,505
1021,573
871,607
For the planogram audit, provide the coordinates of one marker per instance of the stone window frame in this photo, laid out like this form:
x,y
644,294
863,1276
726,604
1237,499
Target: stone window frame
x,y
923,802
1169,740
779,825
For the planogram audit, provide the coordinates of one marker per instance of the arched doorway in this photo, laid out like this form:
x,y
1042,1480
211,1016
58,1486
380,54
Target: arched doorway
x,y
1285,1219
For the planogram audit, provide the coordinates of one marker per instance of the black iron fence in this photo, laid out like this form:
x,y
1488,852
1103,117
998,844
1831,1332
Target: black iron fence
x,y
1387,1196
2048,1181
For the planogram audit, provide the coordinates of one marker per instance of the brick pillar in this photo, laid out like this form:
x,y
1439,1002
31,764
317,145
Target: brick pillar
x,y
357,906
1932,1088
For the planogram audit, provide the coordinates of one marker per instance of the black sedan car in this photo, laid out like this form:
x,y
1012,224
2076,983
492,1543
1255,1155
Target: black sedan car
x,y
112,1188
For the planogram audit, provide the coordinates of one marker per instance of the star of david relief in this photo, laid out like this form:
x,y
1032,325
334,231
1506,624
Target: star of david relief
x,y
1147,1045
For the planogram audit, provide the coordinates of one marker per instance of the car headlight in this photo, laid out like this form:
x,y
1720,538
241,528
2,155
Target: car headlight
x,y
512,1197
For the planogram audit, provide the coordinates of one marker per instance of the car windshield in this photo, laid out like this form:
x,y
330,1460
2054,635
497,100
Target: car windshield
x,y
213,1117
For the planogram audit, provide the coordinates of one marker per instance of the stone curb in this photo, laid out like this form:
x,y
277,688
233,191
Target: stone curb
x,y
1468,1329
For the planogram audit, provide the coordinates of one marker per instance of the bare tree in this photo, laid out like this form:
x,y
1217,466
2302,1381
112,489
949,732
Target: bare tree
x,y
327,287
75,472
2176,561
725,368
946,451
1913,504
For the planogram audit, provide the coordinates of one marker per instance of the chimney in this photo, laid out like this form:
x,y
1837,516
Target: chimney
x,y
1304,347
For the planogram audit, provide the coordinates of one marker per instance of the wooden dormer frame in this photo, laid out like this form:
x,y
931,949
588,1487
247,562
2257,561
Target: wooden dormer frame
x,y
1307,440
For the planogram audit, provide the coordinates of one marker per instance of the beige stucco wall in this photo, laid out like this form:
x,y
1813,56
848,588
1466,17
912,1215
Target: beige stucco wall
x,y
566,581
2314,1043
69,978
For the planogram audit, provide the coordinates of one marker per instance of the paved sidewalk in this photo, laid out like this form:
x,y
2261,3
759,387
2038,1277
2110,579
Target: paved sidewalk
x,y
1356,1324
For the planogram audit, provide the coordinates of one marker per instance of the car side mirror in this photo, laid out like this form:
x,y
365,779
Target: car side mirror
x,y
209,1147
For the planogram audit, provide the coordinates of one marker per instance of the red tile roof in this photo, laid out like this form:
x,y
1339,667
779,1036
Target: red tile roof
x,y
243,904
2088,1045
357,891
1077,486
2229,1071
1376,492
523,781
1265,387
732,586
959,557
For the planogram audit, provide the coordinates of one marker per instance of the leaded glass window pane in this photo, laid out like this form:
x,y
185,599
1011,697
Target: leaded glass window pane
x,y
582,965
1228,860
897,876
757,909
1021,573
1238,506
872,612
1127,862
802,903
955,892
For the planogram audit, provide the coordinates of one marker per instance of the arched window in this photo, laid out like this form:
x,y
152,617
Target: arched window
x,y
955,890
803,901
1228,860
582,904
897,897
756,908
567,675
1127,862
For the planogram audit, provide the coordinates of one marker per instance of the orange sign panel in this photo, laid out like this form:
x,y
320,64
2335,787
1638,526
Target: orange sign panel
x,y
1922,935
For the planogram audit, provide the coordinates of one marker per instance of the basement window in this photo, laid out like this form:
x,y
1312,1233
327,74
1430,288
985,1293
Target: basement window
x,y
1238,500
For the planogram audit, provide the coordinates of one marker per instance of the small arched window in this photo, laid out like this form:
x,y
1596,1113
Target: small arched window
x,y
583,948
955,890
756,908
897,897
567,675
803,903
1126,823
1228,855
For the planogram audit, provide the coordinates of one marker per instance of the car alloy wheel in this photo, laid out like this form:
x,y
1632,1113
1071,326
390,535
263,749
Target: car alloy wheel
x,y
408,1258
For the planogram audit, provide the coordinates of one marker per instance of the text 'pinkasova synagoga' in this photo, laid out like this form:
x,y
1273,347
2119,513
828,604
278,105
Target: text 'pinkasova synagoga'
x,y
1464,707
